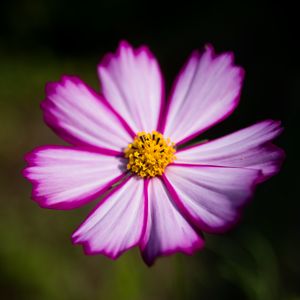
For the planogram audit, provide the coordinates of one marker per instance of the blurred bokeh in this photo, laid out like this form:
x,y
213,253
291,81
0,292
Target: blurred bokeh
x,y
40,41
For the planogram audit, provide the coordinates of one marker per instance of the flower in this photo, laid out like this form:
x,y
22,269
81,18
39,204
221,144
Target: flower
x,y
125,146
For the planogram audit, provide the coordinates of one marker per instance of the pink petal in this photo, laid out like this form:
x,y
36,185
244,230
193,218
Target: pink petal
x,y
167,230
248,148
212,197
117,223
82,117
205,92
65,178
132,83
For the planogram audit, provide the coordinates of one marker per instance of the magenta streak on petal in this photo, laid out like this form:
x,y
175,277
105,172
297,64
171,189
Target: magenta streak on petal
x,y
197,165
161,116
199,222
163,120
53,121
202,165
197,229
80,148
205,165
42,200
179,203
146,212
86,246
122,121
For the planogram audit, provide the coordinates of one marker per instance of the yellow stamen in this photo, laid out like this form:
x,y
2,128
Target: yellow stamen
x,y
149,154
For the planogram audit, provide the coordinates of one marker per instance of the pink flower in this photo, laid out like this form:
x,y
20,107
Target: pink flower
x,y
165,196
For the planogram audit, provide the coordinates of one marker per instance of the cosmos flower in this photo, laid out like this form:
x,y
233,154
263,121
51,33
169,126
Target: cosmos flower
x,y
128,145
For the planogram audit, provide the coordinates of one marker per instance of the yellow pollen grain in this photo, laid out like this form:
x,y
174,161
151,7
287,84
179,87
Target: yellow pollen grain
x,y
149,154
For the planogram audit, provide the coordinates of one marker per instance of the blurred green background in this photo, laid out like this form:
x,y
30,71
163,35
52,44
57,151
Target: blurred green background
x,y
40,41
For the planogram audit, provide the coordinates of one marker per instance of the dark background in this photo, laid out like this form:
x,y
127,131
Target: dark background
x,y
41,40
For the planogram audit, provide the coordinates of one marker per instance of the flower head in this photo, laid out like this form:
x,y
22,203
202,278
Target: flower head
x,y
125,145
149,154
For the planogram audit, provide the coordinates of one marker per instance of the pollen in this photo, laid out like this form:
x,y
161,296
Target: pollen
x,y
149,154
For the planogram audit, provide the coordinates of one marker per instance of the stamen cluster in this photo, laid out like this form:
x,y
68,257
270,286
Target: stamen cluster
x,y
149,154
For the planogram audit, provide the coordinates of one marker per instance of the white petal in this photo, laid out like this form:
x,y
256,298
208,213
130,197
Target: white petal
x,y
212,197
167,230
117,223
205,92
248,148
133,85
65,177
82,117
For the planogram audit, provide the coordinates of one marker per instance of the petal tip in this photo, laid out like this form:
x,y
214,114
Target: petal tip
x,y
89,251
208,47
196,246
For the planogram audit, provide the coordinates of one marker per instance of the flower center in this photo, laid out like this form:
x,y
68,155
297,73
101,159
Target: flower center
x,y
149,154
